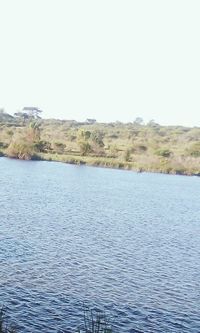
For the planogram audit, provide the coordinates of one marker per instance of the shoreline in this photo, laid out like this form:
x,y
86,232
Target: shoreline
x,y
142,148
101,163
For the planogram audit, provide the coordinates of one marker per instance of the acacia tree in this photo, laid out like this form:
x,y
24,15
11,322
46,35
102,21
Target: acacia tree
x,y
28,113
32,112
138,121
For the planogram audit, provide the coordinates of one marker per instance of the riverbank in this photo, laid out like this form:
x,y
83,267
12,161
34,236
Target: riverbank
x,y
164,166
103,162
132,146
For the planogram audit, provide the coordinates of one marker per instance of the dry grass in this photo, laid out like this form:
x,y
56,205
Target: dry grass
x,y
156,148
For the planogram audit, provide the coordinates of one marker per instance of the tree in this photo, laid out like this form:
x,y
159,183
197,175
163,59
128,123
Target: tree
x,y
85,147
21,116
91,121
138,121
4,116
32,112
25,145
152,123
97,138
34,131
83,141
83,135
28,113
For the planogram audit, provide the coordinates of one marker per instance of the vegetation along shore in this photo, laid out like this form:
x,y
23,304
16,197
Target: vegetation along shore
x,y
132,146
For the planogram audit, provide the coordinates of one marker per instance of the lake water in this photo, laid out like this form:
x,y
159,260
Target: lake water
x,y
124,242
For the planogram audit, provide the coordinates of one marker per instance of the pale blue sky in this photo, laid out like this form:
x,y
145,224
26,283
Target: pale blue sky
x,y
104,59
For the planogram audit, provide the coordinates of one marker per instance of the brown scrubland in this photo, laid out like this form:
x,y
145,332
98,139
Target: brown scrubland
x,y
133,146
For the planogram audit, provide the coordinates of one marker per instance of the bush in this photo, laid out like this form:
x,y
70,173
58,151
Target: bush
x,y
85,148
194,150
163,152
127,155
21,150
139,148
97,138
142,148
42,146
3,145
59,147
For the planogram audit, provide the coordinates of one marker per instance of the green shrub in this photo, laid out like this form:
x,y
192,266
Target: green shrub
x,y
21,150
59,147
194,150
3,145
163,152
127,155
10,132
154,148
97,138
42,146
85,147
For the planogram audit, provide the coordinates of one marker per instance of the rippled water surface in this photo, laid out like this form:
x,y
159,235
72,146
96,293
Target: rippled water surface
x,y
125,242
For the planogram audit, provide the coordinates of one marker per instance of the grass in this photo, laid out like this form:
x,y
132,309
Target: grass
x,y
86,160
94,321
151,147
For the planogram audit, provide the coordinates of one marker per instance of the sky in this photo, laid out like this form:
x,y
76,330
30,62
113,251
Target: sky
x,y
104,59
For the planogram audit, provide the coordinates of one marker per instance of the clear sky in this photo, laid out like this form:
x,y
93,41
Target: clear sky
x,y
104,59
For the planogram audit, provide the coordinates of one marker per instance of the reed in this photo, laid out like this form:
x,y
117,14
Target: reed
x,y
4,328
95,321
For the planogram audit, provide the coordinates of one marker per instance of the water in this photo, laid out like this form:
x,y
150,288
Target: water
x,y
125,242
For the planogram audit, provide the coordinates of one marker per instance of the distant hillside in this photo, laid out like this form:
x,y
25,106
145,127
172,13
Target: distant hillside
x,y
150,147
